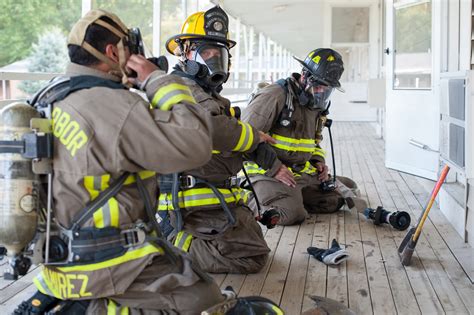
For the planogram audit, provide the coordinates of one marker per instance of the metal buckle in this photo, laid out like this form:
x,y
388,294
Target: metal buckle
x,y
188,181
234,181
133,237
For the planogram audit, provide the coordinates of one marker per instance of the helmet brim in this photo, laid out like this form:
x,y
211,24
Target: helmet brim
x,y
171,43
336,85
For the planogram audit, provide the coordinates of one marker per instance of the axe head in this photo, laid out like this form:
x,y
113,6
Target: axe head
x,y
407,247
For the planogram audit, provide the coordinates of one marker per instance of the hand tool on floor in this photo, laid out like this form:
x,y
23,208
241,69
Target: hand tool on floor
x,y
405,251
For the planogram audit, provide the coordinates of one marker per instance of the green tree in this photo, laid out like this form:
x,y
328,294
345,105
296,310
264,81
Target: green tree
x,y
21,22
48,55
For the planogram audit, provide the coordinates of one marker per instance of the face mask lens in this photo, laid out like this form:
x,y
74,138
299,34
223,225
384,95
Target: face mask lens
x,y
216,58
321,94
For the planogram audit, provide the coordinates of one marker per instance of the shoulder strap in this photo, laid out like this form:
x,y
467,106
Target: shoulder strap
x,y
88,211
61,87
283,83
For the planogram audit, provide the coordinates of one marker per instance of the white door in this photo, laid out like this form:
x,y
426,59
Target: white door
x,y
412,114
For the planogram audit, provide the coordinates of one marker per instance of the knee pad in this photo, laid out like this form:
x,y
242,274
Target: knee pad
x,y
349,183
326,204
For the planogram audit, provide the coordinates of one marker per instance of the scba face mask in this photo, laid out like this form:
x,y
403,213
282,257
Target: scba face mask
x,y
216,58
321,95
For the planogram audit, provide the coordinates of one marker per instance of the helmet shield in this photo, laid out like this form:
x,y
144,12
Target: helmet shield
x,y
216,58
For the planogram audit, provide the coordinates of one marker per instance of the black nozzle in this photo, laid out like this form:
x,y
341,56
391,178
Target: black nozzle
x,y
400,220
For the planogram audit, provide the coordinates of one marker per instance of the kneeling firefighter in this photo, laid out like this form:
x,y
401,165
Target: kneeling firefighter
x,y
294,112
102,249
208,210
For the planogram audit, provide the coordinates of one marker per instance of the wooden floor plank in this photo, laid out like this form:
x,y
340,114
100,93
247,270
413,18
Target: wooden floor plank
x,y
253,283
380,290
357,281
292,298
277,276
316,276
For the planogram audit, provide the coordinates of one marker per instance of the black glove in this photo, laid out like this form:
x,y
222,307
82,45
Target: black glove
x,y
263,155
332,256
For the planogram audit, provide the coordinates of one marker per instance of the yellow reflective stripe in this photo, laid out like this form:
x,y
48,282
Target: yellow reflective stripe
x,y
171,94
114,309
277,310
177,99
246,138
99,218
183,240
292,144
319,152
253,168
41,285
143,175
128,256
111,308
197,197
114,212
43,282
292,140
216,152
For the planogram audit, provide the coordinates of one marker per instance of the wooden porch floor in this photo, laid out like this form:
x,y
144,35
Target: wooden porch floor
x,y
372,281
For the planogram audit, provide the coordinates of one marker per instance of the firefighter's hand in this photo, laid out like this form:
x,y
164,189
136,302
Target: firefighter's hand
x,y
266,138
323,171
285,176
141,66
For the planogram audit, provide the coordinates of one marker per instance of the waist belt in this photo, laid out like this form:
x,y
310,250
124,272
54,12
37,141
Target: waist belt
x,y
189,181
93,245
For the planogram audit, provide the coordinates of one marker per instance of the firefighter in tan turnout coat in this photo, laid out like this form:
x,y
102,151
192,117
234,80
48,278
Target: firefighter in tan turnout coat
x,y
293,112
213,222
101,132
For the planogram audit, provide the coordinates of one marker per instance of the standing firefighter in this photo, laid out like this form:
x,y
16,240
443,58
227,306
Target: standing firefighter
x,y
106,136
207,207
293,111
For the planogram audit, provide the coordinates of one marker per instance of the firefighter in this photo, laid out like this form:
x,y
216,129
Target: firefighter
x,y
293,111
102,131
208,209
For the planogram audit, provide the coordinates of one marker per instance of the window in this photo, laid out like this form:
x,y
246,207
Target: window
x,y
412,62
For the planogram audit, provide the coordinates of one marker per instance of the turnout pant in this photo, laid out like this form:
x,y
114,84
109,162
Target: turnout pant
x,y
239,248
294,203
149,295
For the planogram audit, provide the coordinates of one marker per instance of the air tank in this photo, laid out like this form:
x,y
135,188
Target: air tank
x,y
19,198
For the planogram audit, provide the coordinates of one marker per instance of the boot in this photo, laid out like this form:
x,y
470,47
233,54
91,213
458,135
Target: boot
x,y
39,303
270,218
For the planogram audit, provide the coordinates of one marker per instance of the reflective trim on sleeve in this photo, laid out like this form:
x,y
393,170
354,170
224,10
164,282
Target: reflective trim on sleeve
x,y
183,241
294,145
172,94
246,138
252,168
319,152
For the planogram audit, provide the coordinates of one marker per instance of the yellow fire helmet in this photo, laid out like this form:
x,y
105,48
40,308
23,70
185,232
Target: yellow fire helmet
x,y
212,25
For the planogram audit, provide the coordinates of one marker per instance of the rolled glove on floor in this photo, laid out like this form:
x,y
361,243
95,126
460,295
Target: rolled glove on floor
x,y
331,256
